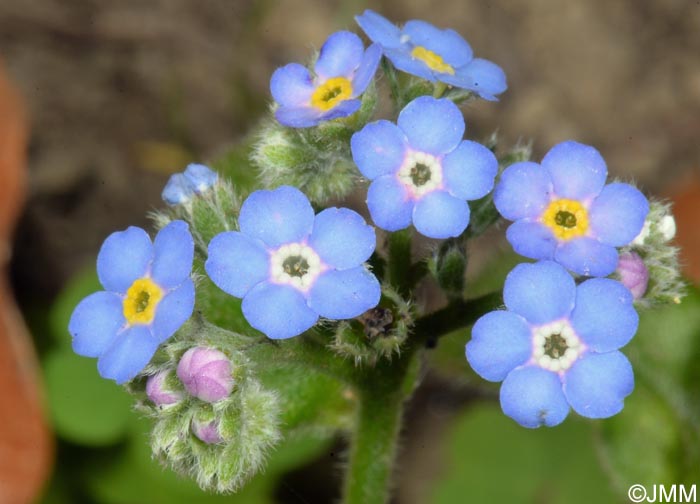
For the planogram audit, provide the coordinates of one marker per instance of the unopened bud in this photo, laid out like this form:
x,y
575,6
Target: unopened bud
x,y
159,392
206,374
207,430
633,274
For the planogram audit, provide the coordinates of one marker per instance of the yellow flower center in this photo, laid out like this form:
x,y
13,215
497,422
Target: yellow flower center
x,y
141,301
331,92
566,218
434,61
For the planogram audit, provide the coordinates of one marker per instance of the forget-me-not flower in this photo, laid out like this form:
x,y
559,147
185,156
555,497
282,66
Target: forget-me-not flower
x,y
422,171
291,266
148,295
182,187
557,345
421,49
564,211
341,74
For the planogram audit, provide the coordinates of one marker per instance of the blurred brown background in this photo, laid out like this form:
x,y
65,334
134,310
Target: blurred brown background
x,y
122,92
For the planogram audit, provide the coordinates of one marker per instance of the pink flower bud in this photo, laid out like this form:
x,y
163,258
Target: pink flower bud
x,y
207,431
206,374
633,274
158,392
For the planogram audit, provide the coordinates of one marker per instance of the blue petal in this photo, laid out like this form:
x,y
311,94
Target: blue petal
x,y
483,77
448,44
402,60
469,170
604,317
200,177
389,204
173,254
95,323
366,70
379,29
129,353
342,238
177,191
237,262
523,191
432,125
124,257
542,292
578,171
439,215
597,384
587,256
292,85
279,311
344,294
344,108
533,397
298,117
531,239
501,341
173,311
340,55
378,149
617,214
276,217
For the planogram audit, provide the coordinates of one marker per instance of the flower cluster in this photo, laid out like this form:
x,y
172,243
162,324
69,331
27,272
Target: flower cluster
x,y
181,187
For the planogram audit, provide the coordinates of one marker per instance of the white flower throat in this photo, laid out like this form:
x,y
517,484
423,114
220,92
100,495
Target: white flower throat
x,y
421,173
555,346
295,264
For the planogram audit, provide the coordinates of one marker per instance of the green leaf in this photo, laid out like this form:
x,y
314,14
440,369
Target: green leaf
x,y
493,459
84,408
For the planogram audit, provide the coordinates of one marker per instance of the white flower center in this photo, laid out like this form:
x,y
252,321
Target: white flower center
x,y
556,346
421,173
295,264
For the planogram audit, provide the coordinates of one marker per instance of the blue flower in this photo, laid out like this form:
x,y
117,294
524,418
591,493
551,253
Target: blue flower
x,y
291,266
421,170
342,73
182,187
564,211
421,49
557,345
148,295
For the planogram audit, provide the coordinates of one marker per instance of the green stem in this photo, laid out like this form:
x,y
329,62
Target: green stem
x,y
400,261
390,73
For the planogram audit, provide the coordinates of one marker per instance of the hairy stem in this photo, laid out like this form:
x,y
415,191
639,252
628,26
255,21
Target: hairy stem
x,y
400,261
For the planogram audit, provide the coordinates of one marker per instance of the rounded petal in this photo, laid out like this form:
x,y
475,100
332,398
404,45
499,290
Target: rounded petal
x,y
541,292
448,44
366,70
124,257
342,238
389,203
95,323
236,263
379,29
173,254
482,76
531,239
298,117
340,55
177,191
604,316
533,397
378,149
501,341
578,171
597,384
128,354
524,191
432,125
587,256
292,85
173,311
344,109
469,170
279,311
200,177
617,215
344,294
440,215
402,60
275,217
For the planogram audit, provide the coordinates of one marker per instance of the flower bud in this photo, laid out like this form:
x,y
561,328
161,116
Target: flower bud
x,y
200,177
633,274
206,374
207,431
159,392
177,191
